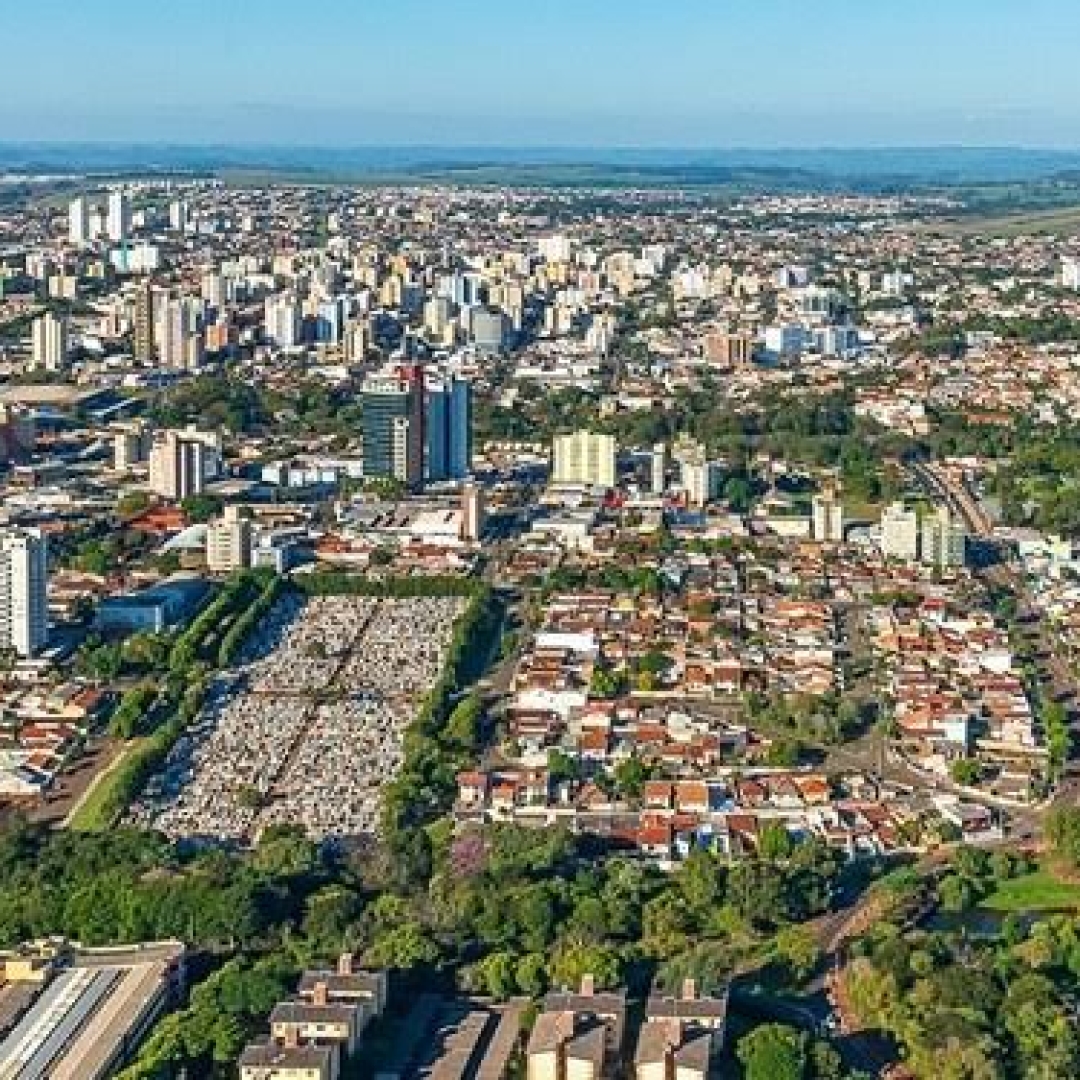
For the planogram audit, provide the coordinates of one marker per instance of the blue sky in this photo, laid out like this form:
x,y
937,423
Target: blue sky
x,y
710,73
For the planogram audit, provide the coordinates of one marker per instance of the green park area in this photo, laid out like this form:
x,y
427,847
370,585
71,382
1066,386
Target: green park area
x,y
1041,890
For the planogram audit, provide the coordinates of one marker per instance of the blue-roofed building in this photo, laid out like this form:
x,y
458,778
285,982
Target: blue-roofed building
x,y
162,607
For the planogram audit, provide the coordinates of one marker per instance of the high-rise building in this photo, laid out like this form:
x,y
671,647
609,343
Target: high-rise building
x,y
658,469
490,329
49,338
143,348
181,344
180,464
1070,272
473,512
212,289
131,444
178,215
393,425
79,221
703,480
118,218
828,517
729,350
228,542
448,429
282,317
900,533
584,457
24,572
944,539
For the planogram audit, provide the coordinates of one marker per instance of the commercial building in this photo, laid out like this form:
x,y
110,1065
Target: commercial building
x,y
393,426
49,341
585,458
228,542
88,1008
900,533
161,607
448,430
24,581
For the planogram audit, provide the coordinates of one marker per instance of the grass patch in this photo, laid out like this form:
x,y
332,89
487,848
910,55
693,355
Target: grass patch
x,y
1037,891
96,811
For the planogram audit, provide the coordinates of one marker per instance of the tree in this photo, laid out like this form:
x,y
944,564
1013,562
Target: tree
x,y
797,949
630,776
1063,829
203,507
773,1052
966,771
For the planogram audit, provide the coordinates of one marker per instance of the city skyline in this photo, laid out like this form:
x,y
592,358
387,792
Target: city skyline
x,y
564,74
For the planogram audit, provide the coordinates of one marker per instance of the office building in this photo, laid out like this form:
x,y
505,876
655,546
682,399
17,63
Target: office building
x,y
49,339
393,426
900,533
24,620
144,346
827,517
228,542
79,232
448,429
943,539
180,464
585,458
118,216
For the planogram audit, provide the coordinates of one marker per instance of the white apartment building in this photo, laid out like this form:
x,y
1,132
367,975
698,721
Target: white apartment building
x,y
79,230
900,533
228,542
944,539
118,216
24,619
1070,272
49,342
585,458
181,462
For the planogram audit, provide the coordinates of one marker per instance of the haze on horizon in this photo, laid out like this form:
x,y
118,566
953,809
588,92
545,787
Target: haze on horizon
x,y
708,73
